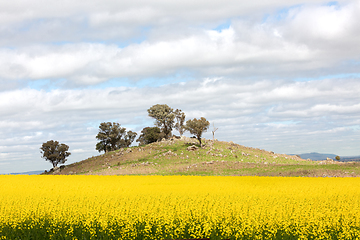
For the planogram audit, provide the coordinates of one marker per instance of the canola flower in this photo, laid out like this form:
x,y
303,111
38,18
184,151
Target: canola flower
x,y
178,207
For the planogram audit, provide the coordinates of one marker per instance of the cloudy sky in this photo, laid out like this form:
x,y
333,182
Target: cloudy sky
x,y
279,75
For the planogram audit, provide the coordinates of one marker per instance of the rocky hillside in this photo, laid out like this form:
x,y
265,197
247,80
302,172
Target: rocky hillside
x,y
185,157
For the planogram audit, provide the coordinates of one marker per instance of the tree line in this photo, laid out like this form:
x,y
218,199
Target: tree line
x,y
112,136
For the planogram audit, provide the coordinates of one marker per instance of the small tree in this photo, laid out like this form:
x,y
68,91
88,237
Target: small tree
x,y
150,135
113,137
54,152
337,158
213,131
164,118
180,120
197,127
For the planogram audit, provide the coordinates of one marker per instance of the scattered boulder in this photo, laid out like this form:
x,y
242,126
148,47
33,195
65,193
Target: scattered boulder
x,y
184,138
211,162
169,153
328,161
56,170
192,148
233,144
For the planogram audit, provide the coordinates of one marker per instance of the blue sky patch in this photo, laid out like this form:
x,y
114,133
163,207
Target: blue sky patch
x,y
46,84
224,25
280,14
334,76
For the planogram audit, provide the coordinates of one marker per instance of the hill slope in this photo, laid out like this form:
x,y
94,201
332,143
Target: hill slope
x,y
185,157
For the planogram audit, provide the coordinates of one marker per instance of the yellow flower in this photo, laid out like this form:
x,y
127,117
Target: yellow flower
x,y
175,207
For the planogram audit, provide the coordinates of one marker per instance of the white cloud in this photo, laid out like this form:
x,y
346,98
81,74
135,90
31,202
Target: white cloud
x,y
248,49
24,23
332,30
337,109
309,44
132,16
205,53
326,22
139,11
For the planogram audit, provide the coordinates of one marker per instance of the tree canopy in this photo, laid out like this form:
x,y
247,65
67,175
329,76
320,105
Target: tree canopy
x,y
164,118
54,152
197,127
112,137
150,135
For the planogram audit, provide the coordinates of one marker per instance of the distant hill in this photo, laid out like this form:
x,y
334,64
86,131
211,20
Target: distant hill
x,y
350,159
317,156
28,173
322,156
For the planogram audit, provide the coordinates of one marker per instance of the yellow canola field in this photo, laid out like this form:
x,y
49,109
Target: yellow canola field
x,y
178,207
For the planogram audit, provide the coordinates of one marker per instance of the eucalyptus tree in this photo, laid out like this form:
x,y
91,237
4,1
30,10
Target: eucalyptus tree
x,y
112,136
164,118
150,135
54,152
197,127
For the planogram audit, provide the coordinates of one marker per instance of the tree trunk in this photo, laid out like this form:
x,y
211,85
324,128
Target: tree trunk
x,y
199,138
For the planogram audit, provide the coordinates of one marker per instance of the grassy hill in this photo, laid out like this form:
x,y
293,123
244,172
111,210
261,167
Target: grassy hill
x,y
186,157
